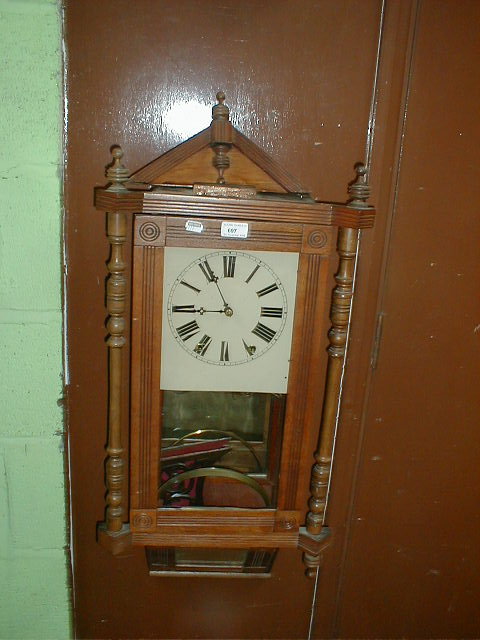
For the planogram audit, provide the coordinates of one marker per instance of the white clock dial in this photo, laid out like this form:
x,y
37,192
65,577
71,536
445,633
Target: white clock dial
x,y
227,319
227,308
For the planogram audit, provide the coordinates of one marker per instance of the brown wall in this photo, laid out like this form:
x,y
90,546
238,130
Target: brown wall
x,y
411,565
300,78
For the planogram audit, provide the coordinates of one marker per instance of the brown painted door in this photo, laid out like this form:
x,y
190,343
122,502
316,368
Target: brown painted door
x,y
310,84
412,564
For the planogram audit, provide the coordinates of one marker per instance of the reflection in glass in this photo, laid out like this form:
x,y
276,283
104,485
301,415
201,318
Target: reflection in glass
x,y
224,447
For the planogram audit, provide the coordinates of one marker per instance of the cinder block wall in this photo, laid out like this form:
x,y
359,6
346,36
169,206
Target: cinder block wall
x,y
34,580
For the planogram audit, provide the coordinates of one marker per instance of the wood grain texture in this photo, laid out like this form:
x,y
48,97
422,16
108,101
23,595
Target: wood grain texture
x,y
146,341
215,540
116,288
189,161
340,316
300,373
263,209
268,164
290,92
261,236
156,168
199,168
149,232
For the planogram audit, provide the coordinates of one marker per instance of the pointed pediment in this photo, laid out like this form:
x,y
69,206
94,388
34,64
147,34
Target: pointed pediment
x,y
216,153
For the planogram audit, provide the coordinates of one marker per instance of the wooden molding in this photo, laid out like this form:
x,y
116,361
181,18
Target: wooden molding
x,y
145,396
339,314
115,542
214,540
116,292
182,202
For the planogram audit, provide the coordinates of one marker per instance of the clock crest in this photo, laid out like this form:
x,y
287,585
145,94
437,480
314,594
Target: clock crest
x,y
227,331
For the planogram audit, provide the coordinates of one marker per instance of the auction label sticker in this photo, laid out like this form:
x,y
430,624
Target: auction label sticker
x,y
234,230
194,226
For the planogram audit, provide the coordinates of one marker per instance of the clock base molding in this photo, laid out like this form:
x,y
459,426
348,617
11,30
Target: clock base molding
x,y
257,551
222,329
210,563
116,542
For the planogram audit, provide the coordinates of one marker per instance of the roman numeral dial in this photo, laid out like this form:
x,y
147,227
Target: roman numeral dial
x,y
188,330
266,290
229,266
227,308
263,332
271,312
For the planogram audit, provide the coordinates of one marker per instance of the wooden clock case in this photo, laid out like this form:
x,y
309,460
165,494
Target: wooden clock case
x,y
153,205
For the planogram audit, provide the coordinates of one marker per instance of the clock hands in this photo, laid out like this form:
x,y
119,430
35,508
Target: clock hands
x,y
209,274
190,308
258,302
201,311
250,349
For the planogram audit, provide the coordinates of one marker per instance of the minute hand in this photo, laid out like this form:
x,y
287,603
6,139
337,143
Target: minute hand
x,y
221,294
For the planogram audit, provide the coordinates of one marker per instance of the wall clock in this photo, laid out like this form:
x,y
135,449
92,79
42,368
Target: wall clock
x,y
217,422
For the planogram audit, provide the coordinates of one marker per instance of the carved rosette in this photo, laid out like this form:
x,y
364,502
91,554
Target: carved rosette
x,y
142,521
149,231
317,239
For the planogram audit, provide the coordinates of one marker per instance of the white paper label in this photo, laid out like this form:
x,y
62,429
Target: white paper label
x,y
234,230
194,226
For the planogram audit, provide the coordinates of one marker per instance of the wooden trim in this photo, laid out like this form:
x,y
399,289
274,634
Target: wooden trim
x,y
121,201
263,209
256,520
339,314
172,158
237,540
149,231
116,291
266,236
295,419
185,150
267,163
146,343
344,216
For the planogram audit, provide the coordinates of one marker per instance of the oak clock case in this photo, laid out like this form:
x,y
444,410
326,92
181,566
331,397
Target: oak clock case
x,y
228,326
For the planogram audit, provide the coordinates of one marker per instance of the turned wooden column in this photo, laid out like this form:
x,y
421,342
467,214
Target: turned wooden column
x,y
347,245
115,467
221,137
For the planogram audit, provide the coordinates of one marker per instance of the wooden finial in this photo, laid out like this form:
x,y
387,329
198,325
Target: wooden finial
x,y
221,136
359,189
117,173
220,111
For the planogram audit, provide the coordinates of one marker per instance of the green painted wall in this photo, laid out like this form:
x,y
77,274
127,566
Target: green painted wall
x,y
34,579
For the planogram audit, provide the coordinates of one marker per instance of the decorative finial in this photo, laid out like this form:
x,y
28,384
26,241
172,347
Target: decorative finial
x,y
359,189
221,135
220,111
117,173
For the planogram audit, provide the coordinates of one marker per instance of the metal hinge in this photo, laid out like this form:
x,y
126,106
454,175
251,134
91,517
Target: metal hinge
x,y
377,340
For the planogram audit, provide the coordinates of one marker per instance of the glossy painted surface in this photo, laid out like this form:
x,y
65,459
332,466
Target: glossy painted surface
x,y
298,78
412,566
131,66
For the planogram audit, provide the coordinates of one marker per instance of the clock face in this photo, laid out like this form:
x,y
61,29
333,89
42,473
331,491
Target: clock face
x,y
227,308
227,319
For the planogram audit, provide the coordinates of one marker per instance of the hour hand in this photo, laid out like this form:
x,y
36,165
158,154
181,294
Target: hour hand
x,y
190,308
201,311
